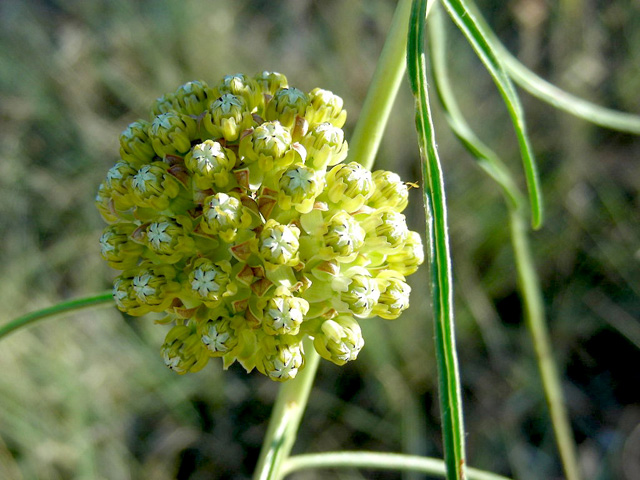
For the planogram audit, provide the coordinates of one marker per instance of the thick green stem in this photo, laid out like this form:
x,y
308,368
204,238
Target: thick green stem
x,y
285,419
534,315
382,92
64,307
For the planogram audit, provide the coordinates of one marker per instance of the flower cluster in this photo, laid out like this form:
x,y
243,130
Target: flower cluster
x,y
231,211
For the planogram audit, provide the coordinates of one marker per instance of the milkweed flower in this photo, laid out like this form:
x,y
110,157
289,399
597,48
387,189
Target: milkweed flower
x,y
231,211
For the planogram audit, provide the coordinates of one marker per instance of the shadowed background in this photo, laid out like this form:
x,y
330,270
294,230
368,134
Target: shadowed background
x,y
88,396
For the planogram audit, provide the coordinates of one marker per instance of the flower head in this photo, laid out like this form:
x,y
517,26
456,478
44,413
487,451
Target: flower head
x,y
231,212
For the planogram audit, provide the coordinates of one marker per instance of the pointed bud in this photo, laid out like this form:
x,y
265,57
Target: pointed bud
x,y
223,215
286,105
171,133
284,313
339,340
210,164
299,187
270,82
135,144
325,106
349,186
325,146
118,249
390,191
183,351
279,244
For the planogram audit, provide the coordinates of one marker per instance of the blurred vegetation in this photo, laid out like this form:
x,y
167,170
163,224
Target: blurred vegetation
x,y
88,397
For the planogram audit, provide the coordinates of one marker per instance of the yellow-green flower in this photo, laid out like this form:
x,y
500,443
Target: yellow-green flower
x,y
183,350
339,340
171,133
117,247
211,164
325,107
286,105
231,212
227,117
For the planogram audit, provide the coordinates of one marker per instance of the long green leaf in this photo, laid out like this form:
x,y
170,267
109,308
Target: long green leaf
x,y
439,252
528,281
545,91
487,159
381,461
480,40
58,309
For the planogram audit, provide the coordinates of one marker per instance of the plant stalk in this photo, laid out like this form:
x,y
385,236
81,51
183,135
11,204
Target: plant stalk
x,y
534,315
58,309
285,418
365,142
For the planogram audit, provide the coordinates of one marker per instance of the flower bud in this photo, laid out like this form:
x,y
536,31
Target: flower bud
x,y
227,117
218,336
153,186
118,249
344,236
349,186
125,296
223,215
284,313
269,145
283,360
104,204
163,104
279,244
325,146
135,144
394,295
286,105
411,255
117,181
168,240
192,98
208,280
171,133
386,230
299,187
390,191
325,106
361,295
154,286
270,82
210,164
242,86
183,351
339,340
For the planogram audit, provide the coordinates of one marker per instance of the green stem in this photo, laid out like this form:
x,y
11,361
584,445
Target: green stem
x,y
382,91
285,418
381,461
60,308
534,314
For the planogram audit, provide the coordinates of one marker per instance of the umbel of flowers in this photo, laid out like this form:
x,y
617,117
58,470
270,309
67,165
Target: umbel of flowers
x,y
231,211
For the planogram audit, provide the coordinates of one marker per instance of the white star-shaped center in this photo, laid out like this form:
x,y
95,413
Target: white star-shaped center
x,y
141,286
204,282
141,178
157,234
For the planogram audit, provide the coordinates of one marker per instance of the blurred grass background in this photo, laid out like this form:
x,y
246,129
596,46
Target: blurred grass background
x,y
88,397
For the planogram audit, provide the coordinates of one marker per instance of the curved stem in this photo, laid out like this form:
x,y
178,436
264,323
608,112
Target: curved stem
x,y
285,419
534,315
381,461
382,91
60,308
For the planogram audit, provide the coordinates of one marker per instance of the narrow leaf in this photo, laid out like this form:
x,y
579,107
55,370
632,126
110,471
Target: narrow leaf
x,y
439,252
481,42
